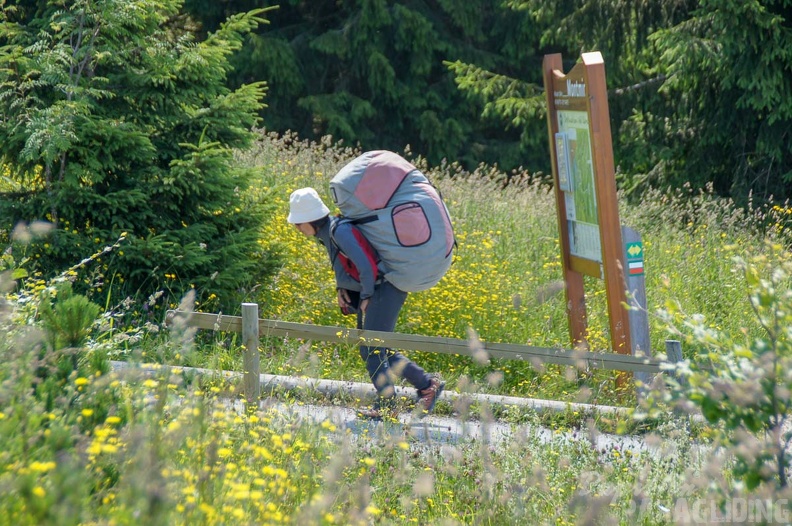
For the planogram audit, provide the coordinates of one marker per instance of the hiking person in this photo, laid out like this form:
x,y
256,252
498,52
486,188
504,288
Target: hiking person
x,y
362,290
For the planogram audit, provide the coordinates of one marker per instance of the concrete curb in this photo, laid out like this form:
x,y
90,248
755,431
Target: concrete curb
x,y
367,391
433,430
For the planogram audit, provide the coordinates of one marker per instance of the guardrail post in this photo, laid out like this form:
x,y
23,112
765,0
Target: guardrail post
x,y
250,339
636,298
674,354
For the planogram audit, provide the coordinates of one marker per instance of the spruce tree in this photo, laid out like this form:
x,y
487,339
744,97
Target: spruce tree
x,y
698,90
116,120
371,72
730,74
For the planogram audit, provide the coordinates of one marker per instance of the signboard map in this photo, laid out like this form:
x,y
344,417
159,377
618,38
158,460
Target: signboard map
x,y
576,180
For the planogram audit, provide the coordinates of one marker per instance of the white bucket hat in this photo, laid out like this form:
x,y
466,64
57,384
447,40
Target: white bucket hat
x,y
305,206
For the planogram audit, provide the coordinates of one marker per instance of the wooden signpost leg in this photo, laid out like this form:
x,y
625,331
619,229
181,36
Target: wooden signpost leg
x,y
573,280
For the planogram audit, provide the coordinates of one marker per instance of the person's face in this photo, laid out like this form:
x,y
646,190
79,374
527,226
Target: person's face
x,y
306,228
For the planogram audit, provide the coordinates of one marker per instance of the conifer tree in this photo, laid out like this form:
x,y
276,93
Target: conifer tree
x,y
729,69
698,90
371,72
116,120
621,30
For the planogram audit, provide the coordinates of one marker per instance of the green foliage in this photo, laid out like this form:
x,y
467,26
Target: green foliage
x,y
697,90
170,446
118,121
743,384
726,69
67,322
370,73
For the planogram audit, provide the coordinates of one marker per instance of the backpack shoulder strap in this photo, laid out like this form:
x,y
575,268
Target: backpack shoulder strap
x,y
355,222
364,220
365,245
334,226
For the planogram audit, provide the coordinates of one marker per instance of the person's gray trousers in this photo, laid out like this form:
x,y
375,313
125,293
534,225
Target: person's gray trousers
x,y
381,315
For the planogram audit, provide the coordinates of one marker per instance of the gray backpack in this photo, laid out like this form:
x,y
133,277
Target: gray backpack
x,y
401,214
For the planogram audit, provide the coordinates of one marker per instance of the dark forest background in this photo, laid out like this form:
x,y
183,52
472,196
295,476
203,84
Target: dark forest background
x,y
699,91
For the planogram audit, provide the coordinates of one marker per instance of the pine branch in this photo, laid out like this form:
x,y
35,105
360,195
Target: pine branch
x,y
638,86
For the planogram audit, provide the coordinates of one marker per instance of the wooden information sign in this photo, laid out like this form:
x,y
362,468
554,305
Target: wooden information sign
x,y
581,152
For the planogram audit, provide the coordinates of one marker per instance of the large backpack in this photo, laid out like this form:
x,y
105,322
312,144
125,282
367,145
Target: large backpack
x,y
401,214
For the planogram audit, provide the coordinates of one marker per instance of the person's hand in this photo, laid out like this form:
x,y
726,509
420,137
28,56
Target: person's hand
x,y
343,299
364,305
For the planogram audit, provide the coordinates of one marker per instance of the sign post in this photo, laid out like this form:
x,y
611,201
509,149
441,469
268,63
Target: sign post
x,y
578,124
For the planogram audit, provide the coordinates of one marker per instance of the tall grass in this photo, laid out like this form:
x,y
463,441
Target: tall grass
x,y
83,444
504,283
160,446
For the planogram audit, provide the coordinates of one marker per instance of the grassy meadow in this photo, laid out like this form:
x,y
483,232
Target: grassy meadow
x,y
83,444
505,283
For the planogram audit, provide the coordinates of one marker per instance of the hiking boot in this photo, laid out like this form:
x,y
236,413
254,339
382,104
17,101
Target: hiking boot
x,y
428,397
